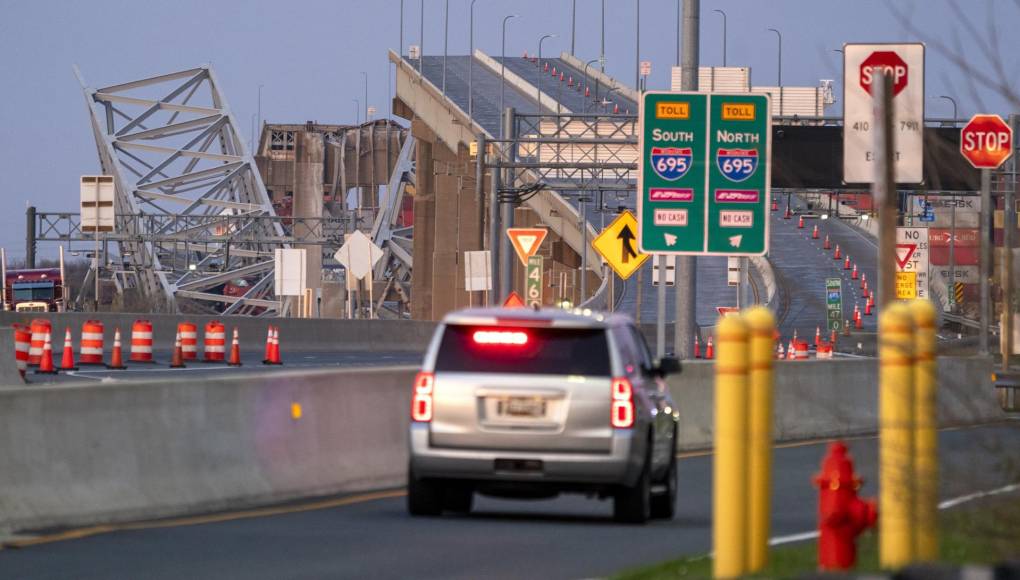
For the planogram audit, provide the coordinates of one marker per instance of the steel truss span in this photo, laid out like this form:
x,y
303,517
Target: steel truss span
x,y
179,163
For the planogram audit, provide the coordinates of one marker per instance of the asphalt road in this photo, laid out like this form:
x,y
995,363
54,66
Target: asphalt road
x,y
250,360
570,537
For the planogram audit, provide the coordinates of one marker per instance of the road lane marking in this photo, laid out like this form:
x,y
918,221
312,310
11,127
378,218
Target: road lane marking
x,y
79,533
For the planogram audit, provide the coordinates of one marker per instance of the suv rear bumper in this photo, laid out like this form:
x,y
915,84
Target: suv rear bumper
x,y
621,465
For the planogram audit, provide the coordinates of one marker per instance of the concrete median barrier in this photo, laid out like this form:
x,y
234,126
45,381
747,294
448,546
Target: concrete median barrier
x,y
834,398
9,375
92,453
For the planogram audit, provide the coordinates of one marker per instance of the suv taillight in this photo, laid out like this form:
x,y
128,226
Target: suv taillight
x,y
421,399
623,404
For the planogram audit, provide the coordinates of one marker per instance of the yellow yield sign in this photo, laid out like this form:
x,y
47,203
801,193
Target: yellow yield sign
x,y
618,245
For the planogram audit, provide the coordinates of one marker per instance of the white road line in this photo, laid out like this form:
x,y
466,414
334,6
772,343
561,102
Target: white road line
x,y
949,503
77,374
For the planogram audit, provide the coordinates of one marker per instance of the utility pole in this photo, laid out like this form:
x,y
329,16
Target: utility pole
x,y
884,189
1008,243
506,254
686,285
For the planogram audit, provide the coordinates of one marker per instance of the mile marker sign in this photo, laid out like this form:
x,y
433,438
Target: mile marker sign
x,y
986,141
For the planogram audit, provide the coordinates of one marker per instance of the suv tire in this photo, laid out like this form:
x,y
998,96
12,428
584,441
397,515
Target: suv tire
x,y
664,504
458,499
424,496
632,505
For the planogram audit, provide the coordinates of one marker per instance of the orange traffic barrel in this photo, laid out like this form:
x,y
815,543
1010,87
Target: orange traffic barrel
x,y
91,343
801,347
189,340
22,343
141,341
40,327
824,349
215,341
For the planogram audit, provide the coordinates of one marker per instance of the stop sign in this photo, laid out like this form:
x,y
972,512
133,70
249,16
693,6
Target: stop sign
x,y
986,141
884,62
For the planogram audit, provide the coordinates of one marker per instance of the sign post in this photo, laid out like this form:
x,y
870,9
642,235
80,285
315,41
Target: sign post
x,y
834,303
97,214
704,174
863,68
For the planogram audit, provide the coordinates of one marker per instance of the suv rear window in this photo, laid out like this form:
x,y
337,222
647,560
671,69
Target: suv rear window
x,y
549,351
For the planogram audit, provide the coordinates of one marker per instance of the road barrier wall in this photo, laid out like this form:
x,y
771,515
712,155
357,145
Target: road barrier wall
x,y
74,455
9,374
834,398
99,452
303,334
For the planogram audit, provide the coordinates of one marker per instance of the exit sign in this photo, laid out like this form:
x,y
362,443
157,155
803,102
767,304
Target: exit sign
x,y
704,173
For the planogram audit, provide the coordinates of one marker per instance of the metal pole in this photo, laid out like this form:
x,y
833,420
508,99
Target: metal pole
x,y
637,46
502,70
687,266
421,37
258,125
1008,242
471,60
885,191
660,304
986,258
780,36
952,257
573,25
365,104
723,35
507,261
96,231
494,231
586,65
29,237
446,38
538,97
584,249
953,101
602,46
400,47
357,112
480,188
679,20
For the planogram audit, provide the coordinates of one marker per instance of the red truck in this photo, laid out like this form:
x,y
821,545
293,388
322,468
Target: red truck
x,y
37,290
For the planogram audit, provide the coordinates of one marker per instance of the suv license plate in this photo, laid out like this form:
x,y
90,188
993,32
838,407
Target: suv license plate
x,y
521,407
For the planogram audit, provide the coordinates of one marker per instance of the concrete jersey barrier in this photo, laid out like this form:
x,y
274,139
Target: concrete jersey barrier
x,y
9,375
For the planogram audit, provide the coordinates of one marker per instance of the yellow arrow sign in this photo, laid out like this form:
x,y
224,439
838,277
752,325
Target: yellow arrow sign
x,y
618,245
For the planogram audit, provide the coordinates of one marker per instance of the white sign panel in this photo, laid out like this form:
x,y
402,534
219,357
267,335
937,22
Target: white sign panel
x,y
863,65
289,276
358,255
97,202
670,270
936,211
912,255
477,271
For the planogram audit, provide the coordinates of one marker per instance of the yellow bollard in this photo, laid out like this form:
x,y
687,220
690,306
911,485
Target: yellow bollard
x,y
896,433
926,467
761,324
729,499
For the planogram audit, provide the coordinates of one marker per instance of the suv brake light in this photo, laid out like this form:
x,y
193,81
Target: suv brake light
x,y
623,404
421,399
500,337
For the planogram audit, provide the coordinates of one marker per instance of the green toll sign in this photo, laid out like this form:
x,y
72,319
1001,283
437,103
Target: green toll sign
x,y
704,175
834,303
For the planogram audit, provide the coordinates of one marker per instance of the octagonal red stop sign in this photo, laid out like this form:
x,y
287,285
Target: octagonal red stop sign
x,y
883,62
986,141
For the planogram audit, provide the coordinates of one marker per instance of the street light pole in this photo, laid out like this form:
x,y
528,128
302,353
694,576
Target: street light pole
x,y
586,65
357,111
573,25
723,35
365,75
602,45
400,47
953,101
780,35
637,47
502,69
446,38
421,37
539,84
471,59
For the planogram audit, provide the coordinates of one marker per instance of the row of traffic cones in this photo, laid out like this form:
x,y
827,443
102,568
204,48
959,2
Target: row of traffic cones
x,y
709,348
46,366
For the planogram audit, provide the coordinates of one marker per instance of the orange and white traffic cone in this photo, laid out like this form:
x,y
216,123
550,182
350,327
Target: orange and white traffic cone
x,y
814,233
832,339
857,312
794,335
780,353
235,351
116,359
867,308
709,350
827,245
775,205
864,290
177,360
697,347
818,335
788,213
269,345
274,348
46,360
846,328
858,324
846,262
853,275
864,281
67,360
791,351
871,299
836,254
800,223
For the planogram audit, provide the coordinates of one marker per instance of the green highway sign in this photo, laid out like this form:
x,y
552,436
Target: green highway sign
x,y
834,303
704,175
533,282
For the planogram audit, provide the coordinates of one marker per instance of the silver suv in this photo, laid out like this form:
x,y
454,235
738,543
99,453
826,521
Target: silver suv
x,y
533,403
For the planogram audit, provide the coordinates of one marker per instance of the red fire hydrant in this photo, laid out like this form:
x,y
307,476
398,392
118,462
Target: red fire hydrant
x,y
842,516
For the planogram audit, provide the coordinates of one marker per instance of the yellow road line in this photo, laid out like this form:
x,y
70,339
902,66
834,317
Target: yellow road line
x,y
206,519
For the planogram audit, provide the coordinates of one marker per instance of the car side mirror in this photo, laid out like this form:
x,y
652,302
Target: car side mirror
x,y
668,366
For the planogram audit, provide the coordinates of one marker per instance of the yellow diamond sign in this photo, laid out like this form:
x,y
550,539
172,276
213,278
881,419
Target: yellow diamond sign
x,y
618,245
